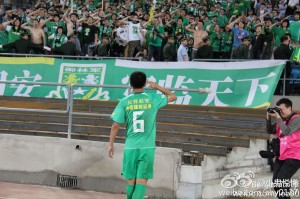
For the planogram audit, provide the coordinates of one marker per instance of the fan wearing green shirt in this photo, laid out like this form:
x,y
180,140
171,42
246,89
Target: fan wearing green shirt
x,y
52,23
3,36
215,40
295,28
222,18
15,32
58,38
212,12
235,9
279,31
224,4
90,5
138,111
156,35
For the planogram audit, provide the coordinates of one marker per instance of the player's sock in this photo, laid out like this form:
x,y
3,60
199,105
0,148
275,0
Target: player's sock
x,y
139,191
129,190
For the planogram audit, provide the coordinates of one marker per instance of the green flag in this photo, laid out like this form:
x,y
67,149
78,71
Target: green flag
x,y
296,54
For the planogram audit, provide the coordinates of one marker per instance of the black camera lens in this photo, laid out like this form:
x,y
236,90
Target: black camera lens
x,y
273,110
270,110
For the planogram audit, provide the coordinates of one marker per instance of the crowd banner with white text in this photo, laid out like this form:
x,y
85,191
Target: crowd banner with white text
x,y
236,84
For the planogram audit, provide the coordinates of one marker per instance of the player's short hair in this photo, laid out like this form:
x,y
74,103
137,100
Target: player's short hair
x,y
138,79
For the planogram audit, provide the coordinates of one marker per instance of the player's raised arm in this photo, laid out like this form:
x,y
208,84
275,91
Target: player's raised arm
x,y
171,96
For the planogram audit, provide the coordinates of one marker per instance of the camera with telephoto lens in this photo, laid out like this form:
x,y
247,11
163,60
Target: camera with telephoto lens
x,y
273,110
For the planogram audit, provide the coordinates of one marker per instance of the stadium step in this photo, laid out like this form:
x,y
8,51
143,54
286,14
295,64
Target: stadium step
x,y
207,130
186,125
102,127
108,106
163,128
169,114
185,146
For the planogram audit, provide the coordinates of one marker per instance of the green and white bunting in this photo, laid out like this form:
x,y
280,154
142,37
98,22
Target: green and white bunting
x,y
236,84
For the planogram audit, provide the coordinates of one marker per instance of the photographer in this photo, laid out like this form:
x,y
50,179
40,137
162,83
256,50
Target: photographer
x,y
287,130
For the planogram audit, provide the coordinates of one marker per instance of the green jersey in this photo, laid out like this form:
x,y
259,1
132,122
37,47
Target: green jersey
x,y
215,41
104,30
206,23
139,111
59,40
243,6
226,41
3,39
14,35
178,29
295,30
154,37
251,29
91,7
235,10
278,32
224,4
211,14
185,21
222,20
96,2
52,26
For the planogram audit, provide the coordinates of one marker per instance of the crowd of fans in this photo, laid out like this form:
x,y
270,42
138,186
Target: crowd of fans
x,y
172,30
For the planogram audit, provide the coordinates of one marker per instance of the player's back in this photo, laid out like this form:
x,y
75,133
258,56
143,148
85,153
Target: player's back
x,y
140,111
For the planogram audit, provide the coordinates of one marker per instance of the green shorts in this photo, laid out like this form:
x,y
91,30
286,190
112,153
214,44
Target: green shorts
x,y
138,163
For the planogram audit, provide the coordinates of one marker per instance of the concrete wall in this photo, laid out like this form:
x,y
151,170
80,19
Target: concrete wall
x,y
190,184
295,100
38,160
239,160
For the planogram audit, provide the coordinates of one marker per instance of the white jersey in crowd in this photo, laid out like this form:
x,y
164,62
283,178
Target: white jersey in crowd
x,y
133,31
122,35
293,2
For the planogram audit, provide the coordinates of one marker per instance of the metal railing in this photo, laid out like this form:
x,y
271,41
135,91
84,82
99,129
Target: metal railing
x,y
70,100
66,56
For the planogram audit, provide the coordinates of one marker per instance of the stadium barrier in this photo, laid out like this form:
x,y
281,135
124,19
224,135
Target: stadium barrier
x,y
70,100
66,56
237,84
293,81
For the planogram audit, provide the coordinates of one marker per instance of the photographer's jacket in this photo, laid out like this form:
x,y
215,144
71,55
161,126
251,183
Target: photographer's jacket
x,y
288,131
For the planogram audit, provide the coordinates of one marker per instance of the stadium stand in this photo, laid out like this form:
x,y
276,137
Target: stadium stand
x,y
206,130
90,28
225,23
105,30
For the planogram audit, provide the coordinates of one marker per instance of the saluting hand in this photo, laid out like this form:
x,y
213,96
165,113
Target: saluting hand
x,y
151,84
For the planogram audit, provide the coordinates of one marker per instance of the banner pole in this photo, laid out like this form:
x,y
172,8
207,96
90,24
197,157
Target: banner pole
x,y
71,6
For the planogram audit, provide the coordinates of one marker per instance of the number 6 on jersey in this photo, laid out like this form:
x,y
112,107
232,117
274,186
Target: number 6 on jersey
x,y
138,125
